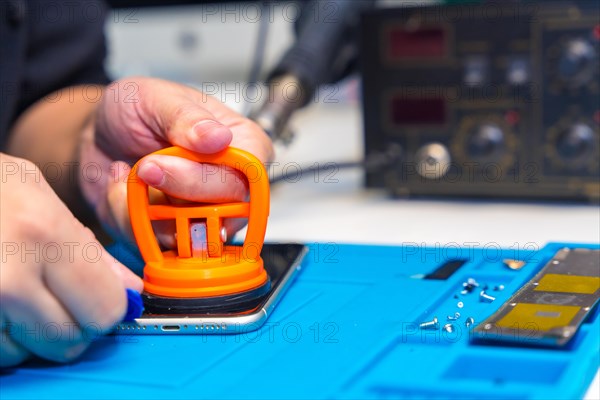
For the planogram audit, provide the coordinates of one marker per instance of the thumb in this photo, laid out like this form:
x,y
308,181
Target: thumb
x,y
182,117
197,130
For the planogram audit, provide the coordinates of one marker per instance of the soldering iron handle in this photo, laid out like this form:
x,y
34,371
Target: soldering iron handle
x,y
325,50
326,42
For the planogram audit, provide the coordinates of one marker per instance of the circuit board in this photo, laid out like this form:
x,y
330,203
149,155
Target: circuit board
x,y
354,325
550,308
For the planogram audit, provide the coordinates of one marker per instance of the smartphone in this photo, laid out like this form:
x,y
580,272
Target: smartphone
x,y
282,262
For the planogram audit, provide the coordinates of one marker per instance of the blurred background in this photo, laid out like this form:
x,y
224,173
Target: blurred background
x,y
434,115
195,43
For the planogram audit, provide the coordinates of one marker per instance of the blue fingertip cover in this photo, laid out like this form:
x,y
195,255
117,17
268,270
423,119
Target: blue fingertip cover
x,y
135,306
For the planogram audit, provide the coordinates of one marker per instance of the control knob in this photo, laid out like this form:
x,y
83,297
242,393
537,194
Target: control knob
x,y
577,64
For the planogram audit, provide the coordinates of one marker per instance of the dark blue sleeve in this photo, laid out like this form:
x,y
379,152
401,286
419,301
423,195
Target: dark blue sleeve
x,y
46,46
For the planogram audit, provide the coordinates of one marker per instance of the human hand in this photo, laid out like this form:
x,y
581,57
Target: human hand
x,y
59,288
140,115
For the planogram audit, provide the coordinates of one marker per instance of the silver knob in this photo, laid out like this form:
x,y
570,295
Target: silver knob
x,y
433,161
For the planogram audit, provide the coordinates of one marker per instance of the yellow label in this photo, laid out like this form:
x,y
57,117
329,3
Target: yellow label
x,y
538,317
568,284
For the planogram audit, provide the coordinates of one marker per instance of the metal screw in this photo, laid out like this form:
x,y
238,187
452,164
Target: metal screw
x,y
460,304
449,328
499,288
454,317
472,282
485,298
469,321
469,285
567,331
430,325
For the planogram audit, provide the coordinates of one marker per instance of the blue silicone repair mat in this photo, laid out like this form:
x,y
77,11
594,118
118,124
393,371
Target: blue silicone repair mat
x,y
345,329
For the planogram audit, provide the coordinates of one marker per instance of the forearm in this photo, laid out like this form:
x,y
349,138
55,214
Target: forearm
x,y
50,133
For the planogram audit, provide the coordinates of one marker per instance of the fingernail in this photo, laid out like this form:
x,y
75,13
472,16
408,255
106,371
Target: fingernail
x,y
135,306
151,173
213,136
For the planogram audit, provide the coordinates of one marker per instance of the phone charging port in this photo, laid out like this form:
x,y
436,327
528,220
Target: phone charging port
x,y
171,328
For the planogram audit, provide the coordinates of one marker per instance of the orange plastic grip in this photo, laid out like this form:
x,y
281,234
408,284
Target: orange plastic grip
x,y
173,274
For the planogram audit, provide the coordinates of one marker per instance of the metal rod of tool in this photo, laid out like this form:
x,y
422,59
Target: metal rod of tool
x,y
325,51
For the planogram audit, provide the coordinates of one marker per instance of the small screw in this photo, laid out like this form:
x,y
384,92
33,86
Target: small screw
x,y
469,285
499,288
460,304
453,317
485,298
567,331
469,321
449,328
430,325
472,282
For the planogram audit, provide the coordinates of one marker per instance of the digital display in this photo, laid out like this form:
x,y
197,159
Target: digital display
x,y
420,43
421,111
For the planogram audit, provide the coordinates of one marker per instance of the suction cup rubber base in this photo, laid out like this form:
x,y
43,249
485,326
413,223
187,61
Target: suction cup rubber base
x,y
236,302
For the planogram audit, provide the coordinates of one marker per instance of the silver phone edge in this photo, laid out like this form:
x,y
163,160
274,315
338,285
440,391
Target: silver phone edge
x,y
222,325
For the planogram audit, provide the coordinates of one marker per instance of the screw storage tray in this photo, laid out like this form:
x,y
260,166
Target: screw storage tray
x,y
347,328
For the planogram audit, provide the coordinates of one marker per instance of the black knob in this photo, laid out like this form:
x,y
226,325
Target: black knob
x,y
576,143
577,64
486,142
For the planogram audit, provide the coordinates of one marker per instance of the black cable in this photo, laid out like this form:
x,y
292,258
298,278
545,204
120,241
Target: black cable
x,y
373,162
259,53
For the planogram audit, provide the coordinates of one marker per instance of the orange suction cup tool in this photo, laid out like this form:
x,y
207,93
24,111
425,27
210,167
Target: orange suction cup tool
x,y
203,274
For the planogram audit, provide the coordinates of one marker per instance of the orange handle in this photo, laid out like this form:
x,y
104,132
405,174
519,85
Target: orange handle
x,y
257,209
